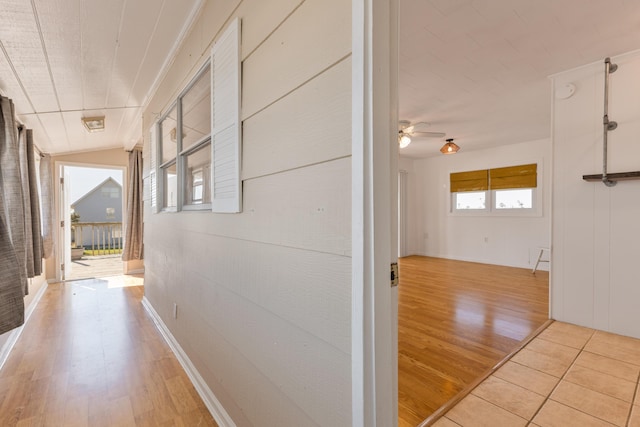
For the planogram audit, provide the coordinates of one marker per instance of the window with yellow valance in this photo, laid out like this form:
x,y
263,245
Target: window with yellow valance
x,y
522,176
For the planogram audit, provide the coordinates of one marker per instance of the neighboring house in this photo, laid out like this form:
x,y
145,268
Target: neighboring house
x,y
103,204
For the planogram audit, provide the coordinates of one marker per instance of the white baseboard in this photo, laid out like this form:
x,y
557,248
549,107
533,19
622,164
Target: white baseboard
x,y
213,404
15,334
478,260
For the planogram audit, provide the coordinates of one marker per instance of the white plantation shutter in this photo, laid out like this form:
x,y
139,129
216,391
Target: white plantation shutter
x,y
153,167
226,143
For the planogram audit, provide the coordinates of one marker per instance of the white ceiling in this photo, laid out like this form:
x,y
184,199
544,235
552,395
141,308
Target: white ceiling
x,y
478,69
62,60
475,69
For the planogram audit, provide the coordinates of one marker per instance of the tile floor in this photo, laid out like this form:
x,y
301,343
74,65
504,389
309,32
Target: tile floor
x,y
567,376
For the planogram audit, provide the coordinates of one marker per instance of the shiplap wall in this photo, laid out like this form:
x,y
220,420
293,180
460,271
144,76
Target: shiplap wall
x,y
264,296
594,277
511,240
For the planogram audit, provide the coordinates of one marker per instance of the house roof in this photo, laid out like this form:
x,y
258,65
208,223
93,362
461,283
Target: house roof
x,y
96,188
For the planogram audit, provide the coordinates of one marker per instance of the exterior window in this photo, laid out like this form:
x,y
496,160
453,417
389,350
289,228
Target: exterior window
x,y
196,110
508,190
195,152
198,176
514,199
170,186
475,200
111,213
110,192
168,152
169,136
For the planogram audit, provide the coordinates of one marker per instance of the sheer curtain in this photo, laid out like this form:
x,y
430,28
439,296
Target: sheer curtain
x,y
133,246
48,222
20,237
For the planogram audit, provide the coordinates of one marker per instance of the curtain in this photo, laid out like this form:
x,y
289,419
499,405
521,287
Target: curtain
x,y
26,200
34,202
133,245
46,185
13,271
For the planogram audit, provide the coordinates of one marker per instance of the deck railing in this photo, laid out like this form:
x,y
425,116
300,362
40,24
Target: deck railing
x,y
101,238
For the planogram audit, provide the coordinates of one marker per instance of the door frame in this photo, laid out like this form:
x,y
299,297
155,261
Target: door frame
x,y
59,167
374,355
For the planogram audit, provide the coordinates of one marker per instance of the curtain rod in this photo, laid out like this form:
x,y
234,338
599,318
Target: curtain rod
x,y
22,126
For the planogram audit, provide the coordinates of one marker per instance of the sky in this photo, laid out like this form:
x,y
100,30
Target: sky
x,y
84,180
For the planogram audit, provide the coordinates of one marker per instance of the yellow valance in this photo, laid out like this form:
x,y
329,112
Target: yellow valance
x,y
470,181
523,176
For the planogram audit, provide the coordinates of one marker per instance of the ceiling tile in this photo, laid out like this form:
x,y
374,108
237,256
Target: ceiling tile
x,y
100,25
60,24
21,41
139,23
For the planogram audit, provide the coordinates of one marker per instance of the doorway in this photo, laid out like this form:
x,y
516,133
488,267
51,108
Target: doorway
x,y
458,318
92,206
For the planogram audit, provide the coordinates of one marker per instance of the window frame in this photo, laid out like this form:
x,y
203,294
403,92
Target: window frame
x,y
181,154
490,199
224,139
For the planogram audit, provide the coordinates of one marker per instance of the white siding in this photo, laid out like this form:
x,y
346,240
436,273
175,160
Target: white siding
x,y
264,296
595,228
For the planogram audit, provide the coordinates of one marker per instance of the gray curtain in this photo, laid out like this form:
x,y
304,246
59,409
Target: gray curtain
x,y
34,203
13,268
26,200
133,246
46,185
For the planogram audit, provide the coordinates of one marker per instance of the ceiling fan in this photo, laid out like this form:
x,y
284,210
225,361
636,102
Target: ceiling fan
x,y
407,130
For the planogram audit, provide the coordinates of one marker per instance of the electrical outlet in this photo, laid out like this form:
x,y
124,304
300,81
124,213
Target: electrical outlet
x,y
175,310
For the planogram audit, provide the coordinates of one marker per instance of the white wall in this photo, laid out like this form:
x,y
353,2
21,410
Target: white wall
x,y
264,296
511,240
36,285
595,279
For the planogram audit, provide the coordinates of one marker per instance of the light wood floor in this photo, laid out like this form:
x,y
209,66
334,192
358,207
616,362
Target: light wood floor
x,y
91,356
456,320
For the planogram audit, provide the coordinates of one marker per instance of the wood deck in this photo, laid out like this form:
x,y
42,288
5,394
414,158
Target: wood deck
x,y
96,266
455,321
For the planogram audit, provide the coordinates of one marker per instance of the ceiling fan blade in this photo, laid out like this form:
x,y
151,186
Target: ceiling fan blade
x,y
430,134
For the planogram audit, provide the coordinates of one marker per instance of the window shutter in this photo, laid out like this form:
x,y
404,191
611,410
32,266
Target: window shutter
x,y
226,185
469,181
523,176
153,167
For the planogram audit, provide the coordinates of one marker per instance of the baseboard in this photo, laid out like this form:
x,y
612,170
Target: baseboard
x,y
213,404
138,271
479,261
15,334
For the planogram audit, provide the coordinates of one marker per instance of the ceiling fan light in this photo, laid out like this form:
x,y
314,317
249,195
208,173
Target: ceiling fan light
x,y
405,140
449,148
93,124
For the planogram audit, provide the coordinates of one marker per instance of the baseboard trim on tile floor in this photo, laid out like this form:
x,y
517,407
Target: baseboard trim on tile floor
x,y
213,404
468,389
15,334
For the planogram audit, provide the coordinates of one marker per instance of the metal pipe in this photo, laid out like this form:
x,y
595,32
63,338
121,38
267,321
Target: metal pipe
x,y
607,125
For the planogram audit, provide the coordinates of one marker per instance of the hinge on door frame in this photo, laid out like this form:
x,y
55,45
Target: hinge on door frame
x,y
395,276
62,180
61,267
62,224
